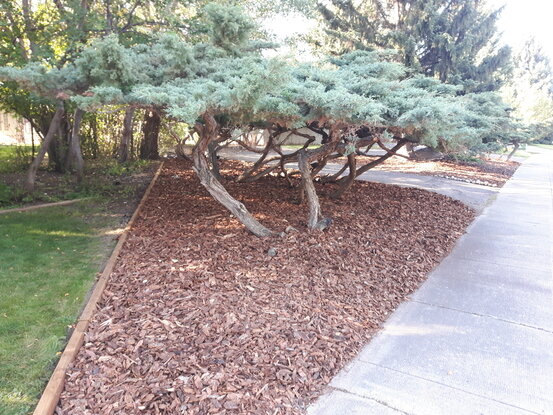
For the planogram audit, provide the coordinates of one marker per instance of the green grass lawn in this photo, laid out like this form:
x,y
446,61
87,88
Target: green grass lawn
x,y
6,153
48,261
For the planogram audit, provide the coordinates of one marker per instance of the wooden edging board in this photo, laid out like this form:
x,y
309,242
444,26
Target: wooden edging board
x,y
44,205
51,395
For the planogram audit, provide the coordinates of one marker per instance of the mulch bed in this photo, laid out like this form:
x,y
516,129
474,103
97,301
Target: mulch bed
x,y
199,319
492,173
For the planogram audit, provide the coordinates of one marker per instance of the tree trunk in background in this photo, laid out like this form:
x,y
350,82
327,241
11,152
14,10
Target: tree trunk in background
x,y
126,135
376,162
95,147
33,149
213,147
131,147
52,131
352,163
149,147
75,154
410,149
59,146
55,152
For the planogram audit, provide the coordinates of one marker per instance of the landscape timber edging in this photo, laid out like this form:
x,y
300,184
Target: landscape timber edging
x,y
43,205
51,394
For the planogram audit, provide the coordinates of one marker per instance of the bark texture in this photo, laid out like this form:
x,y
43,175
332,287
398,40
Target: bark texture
x,y
310,193
376,162
512,153
213,148
75,152
58,148
48,138
350,178
126,135
149,148
208,133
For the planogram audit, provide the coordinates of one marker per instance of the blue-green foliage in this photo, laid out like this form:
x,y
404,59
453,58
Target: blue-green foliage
x,y
107,63
229,27
230,78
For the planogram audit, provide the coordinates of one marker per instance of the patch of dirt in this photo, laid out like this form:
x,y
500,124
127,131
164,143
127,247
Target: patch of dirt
x,y
494,173
199,319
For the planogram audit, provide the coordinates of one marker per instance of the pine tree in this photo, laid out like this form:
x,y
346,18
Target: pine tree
x,y
225,87
455,41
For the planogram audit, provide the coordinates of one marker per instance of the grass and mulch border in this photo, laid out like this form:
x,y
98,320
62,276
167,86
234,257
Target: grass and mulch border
x,y
50,256
41,206
48,260
200,317
50,396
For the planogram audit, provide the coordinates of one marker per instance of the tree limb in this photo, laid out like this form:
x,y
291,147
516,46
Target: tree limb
x,y
208,133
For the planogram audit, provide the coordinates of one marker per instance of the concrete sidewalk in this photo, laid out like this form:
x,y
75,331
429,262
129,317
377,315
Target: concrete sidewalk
x,y
474,195
477,337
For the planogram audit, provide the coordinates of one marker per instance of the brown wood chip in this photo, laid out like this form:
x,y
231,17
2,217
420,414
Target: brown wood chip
x,y
195,321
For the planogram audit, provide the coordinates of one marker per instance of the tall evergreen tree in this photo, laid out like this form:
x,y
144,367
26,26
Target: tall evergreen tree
x,y
455,41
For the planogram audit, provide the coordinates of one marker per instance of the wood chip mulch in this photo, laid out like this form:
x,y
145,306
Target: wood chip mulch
x,y
199,319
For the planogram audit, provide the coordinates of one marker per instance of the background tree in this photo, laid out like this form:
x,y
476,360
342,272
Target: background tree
x,y
530,91
455,41
53,33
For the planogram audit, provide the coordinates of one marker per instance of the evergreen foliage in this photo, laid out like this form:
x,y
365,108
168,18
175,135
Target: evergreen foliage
x,y
225,85
454,41
55,32
231,79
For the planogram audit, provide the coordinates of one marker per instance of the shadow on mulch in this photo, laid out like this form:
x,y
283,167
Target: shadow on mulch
x,y
199,319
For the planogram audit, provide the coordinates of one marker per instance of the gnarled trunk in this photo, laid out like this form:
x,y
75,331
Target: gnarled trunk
x,y
208,133
52,131
376,162
247,174
213,148
310,193
58,149
512,153
332,178
350,178
149,149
